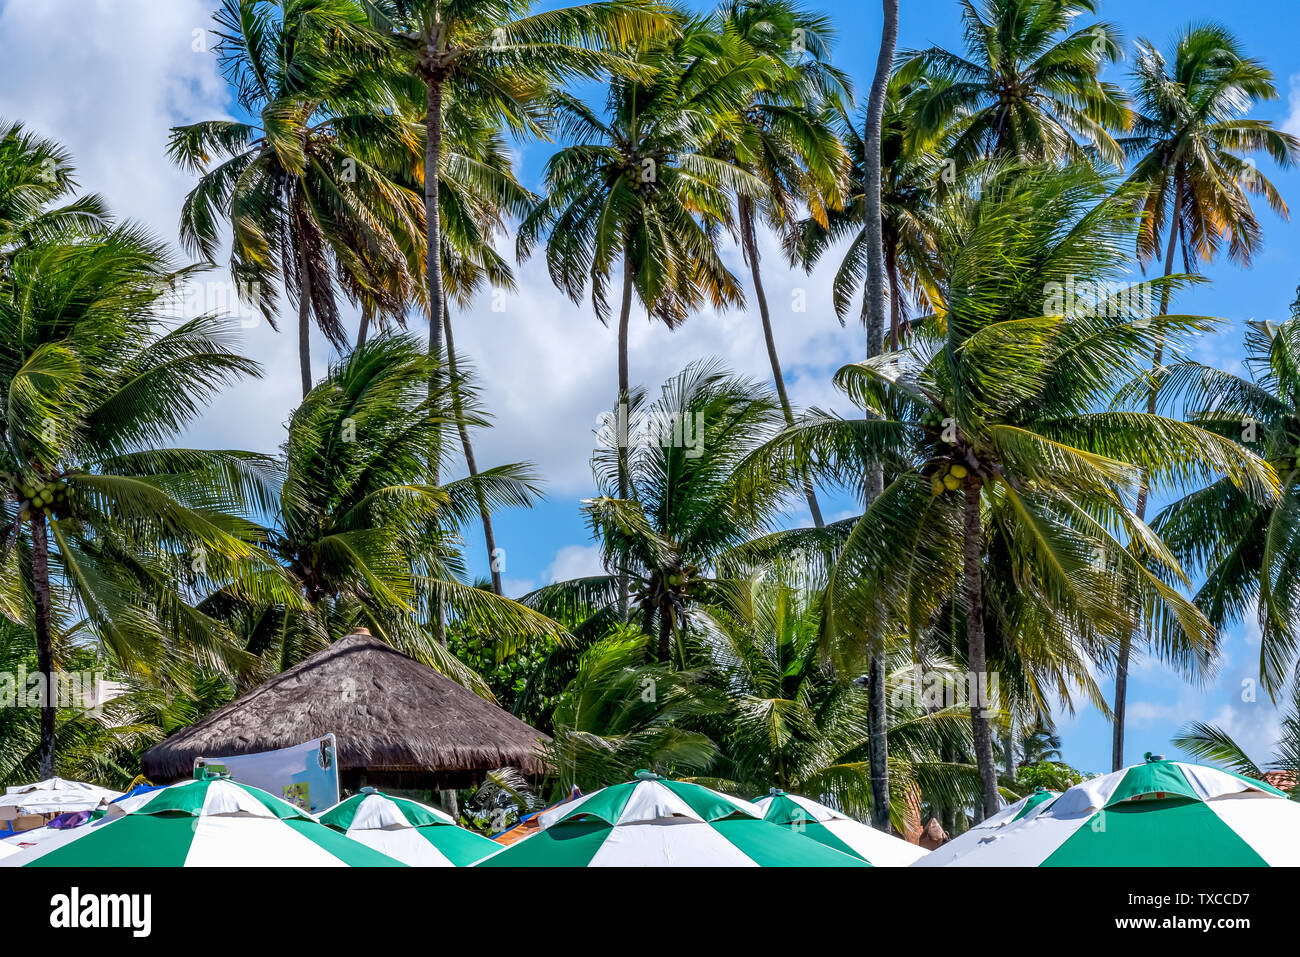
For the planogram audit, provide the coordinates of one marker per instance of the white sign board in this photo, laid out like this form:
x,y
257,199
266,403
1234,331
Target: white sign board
x,y
304,774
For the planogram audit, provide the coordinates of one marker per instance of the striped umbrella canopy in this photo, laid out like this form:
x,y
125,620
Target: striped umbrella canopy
x,y
55,795
1034,803
407,830
655,822
828,826
1155,814
210,822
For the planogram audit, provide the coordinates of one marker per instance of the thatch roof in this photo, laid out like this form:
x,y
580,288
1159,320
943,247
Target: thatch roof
x,y
397,723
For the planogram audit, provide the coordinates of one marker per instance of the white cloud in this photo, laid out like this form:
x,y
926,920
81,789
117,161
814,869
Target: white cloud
x,y
547,366
1255,726
574,561
109,79
1292,122
515,587
1142,713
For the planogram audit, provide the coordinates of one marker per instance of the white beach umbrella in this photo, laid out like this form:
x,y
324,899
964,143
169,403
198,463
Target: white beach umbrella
x,y
413,833
834,829
655,822
55,796
212,822
1156,814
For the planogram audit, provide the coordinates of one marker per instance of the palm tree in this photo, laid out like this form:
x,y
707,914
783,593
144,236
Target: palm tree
x,y
623,711
641,185
911,177
104,522
479,192
795,720
1245,547
1040,742
313,186
786,141
1027,85
1192,129
874,317
684,514
35,173
501,61
365,539
986,425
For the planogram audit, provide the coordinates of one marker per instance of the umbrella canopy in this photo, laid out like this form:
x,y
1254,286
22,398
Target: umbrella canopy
x,y
398,723
828,826
654,822
1031,804
55,795
1156,814
210,822
407,830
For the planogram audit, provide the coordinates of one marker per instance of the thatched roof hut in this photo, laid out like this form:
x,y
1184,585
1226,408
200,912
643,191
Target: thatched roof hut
x,y
398,723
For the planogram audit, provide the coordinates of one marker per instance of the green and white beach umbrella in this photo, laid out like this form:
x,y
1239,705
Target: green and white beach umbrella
x,y
211,822
655,822
1031,804
828,826
1156,814
407,830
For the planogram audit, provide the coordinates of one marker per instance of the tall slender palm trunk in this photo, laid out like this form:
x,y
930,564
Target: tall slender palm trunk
x,y
1009,749
1126,643
624,392
750,242
973,605
433,269
304,322
363,328
44,643
433,228
489,536
895,300
878,742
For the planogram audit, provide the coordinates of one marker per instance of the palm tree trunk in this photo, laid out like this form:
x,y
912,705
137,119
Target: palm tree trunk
x,y
433,227
878,750
750,241
973,600
1126,643
665,635
304,322
433,269
871,184
895,303
489,537
624,391
1009,751
44,642
878,742
363,329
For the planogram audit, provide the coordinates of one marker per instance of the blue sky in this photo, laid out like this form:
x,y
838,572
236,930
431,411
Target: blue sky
x,y
109,77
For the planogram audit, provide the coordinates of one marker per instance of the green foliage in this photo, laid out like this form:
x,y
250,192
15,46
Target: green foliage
x,y
1028,84
365,539
1051,775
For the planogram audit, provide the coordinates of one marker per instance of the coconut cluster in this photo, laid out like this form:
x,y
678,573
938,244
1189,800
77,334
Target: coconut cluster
x,y
40,494
948,478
